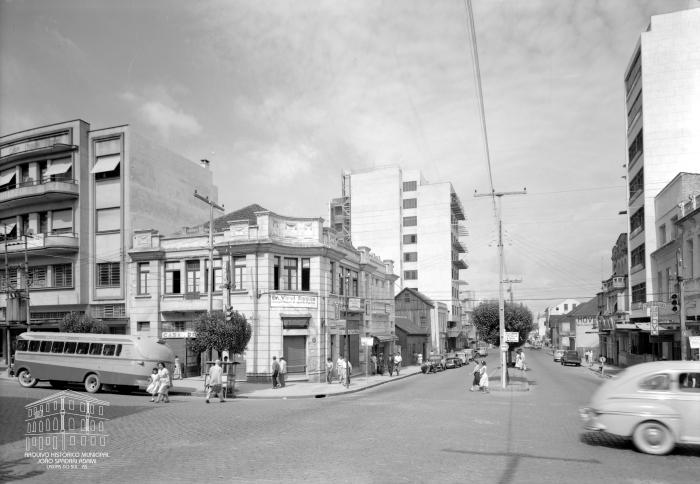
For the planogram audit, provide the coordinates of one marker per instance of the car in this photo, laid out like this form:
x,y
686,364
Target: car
x,y
558,354
656,404
453,362
436,362
466,355
570,357
482,351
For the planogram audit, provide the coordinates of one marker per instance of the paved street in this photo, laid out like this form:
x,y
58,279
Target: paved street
x,y
425,428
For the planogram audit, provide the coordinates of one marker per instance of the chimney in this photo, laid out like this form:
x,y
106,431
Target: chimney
x,y
204,163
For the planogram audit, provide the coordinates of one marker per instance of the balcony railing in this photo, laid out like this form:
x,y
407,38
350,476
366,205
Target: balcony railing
x,y
67,240
48,190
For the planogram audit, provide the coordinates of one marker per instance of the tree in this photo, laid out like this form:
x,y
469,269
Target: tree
x,y
81,323
215,333
517,318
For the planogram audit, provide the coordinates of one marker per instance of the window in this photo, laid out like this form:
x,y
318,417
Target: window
x,y
355,286
410,275
45,346
662,235
410,203
108,274
109,350
33,346
637,147
410,256
674,227
338,210
305,274
57,347
638,256
142,326
63,275
332,277
69,347
276,273
690,271
689,382
341,282
656,383
338,227
634,109
410,221
637,219
82,348
37,277
144,270
290,274
95,348
634,72
107,159
43,222
639,293
410,186
410,239
108,219
216,280
191,276
238,272
172,277
22,345
62,221
637,183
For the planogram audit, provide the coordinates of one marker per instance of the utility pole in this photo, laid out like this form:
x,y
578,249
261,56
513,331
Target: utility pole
x,y
510,283
212,205
501,307
26,281
7,301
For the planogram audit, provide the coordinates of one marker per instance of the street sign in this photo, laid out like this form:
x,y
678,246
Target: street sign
x,y
654,326
367,341
504,347
512,337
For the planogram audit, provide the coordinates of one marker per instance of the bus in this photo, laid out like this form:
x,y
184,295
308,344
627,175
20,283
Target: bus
x,y
94,360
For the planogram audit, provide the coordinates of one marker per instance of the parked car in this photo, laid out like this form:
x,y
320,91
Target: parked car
x,y
453,362
654,403
571,357
482,351
437,362
558,354
466,355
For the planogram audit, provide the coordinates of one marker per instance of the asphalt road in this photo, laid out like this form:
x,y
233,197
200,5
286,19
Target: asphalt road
x,y
426,428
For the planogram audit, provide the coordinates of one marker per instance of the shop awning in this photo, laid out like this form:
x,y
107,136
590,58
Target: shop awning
x,y
647,327
295,321
7,177
626,326
58,167
106,163
383,338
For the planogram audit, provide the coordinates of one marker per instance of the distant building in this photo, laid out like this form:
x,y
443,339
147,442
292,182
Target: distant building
x,y
663,134
74,196
613,304
578,329
552,316
416,224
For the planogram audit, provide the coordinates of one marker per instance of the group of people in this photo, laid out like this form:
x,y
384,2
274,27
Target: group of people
x,y
343,370
391,363
480,381
159,385
279,372
520,360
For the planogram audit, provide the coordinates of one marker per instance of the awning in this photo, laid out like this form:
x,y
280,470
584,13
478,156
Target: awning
x,y
106,163
383,338
7,177
295,321
647,327
625,326
58,167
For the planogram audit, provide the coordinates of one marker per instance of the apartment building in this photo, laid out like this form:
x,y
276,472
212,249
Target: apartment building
x,y
70,198
663,133
300,286
415,223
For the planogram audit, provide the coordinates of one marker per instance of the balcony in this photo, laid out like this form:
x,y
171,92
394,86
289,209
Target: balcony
x,y
39,191
42,243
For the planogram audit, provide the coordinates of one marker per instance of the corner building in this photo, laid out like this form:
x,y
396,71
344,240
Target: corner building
x,y
70,198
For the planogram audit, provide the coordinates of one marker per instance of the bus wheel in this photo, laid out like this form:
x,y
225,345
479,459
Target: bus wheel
x,y
25,379
59,385
92,383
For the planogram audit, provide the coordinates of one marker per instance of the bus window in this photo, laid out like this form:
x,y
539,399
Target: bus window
x,y
70,347
57,347
45,347
22,345
82,348
119,350
34,345
95,348
108,350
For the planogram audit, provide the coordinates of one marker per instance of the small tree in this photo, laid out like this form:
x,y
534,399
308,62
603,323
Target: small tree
x,y
81,323
215,333
517,318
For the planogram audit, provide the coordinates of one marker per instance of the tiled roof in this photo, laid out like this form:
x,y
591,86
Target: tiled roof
x,y
589,308
245,213
407,326
417,294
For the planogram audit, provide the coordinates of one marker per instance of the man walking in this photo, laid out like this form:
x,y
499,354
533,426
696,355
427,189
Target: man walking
x,y
329,371
283,370
340,367
397,362
275,372
215,380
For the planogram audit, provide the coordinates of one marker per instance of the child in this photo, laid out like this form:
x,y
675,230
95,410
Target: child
x,y
153,385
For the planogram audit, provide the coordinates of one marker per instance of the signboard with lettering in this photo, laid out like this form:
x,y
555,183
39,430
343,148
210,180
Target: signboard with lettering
x,y
354,304
654,326
367,341
512,337
694,341
178,334
293,301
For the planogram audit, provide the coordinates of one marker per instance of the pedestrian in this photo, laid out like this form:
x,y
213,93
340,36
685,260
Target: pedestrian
x,y
522,360
215,381
476,376
380,364
153,385
283,371
348,372
602,365
397,362
163,384
484,380
585,355
329,370
518,360
275,372
374,364
390,364
338,368
177,373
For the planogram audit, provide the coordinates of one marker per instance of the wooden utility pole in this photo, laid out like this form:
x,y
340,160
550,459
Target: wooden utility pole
x,y
210,282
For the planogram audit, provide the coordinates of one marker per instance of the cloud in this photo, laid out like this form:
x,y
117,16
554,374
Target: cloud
x,y
166,117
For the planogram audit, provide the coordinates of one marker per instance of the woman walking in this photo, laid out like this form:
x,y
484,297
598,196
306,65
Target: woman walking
x,y
153,385
477,376
484,380
163,384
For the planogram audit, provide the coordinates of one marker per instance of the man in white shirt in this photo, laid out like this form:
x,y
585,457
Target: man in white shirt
x,y
215,379
340,367
283,370
397,363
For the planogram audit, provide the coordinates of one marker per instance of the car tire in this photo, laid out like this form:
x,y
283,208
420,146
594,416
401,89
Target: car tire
x,y
25,379
92,383
653,437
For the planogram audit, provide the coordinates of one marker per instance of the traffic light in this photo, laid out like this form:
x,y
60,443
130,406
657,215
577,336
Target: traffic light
x,y
228,314
674,302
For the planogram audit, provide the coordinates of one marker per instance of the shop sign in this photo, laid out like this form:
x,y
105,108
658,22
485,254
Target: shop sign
x,y
293,301
178,334
694,342
354,304
512,337
367,341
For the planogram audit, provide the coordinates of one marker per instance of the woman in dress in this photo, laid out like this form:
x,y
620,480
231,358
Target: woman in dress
x,y
484,380
477,376
163,383
153,384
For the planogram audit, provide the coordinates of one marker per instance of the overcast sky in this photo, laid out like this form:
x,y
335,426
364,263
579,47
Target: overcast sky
x,y
282,96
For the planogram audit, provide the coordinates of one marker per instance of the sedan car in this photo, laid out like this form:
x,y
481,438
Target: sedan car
x,y
558,354
437,362
654,403
453,362
571,357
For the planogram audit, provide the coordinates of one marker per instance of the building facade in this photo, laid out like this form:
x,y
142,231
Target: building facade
x,y
663,133
300,286
69,199
415,223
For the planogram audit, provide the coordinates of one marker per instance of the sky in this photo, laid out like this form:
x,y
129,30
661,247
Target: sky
x,y
282,96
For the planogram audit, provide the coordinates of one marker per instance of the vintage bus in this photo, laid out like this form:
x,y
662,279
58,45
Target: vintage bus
x,y
95,360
